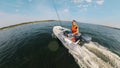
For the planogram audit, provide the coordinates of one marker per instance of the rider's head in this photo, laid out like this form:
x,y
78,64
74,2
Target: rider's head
x,y
73,22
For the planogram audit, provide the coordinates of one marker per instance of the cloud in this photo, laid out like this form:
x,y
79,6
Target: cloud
x,y
100,2
88,1
77,1
80,6
80,1
85,6
66,10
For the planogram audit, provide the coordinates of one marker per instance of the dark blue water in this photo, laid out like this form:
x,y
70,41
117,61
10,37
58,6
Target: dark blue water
x,y
32,45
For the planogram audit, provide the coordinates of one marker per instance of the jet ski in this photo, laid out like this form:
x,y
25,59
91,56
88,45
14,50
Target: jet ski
x,y
65,36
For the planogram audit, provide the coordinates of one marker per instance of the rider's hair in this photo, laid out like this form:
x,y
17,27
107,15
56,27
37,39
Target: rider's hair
x,y
73,21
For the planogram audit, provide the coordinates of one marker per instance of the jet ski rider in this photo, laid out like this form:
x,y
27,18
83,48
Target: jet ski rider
x,y
75,31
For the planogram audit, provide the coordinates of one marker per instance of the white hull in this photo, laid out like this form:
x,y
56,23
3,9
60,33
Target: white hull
x,y
58,31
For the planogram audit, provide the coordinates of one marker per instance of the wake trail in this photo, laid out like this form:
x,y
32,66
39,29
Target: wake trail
x,y
93,55
104,54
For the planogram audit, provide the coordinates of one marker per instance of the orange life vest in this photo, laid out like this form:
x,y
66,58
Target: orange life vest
x,y
74,29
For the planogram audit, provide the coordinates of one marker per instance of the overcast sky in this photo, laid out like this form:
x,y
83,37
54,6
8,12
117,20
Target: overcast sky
x,y
104,12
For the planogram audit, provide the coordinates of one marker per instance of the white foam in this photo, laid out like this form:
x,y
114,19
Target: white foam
x,y
95,56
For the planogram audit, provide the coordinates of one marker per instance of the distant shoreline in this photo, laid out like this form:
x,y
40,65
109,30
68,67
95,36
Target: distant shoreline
x,y
6,27
32,22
